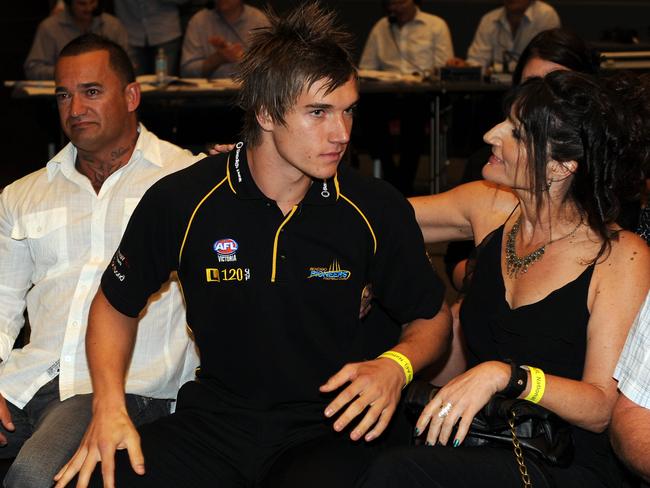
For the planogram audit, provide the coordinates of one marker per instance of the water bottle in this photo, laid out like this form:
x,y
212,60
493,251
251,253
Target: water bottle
x,y
161,66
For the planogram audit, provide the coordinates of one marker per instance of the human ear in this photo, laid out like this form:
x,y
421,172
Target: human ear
x,y
132,95
264,119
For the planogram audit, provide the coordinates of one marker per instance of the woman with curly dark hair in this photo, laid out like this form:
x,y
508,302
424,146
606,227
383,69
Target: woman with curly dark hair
x,y
555,287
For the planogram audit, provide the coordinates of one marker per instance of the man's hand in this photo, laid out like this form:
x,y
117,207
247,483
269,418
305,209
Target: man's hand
x,y
5,418
109,430
374,388
230,52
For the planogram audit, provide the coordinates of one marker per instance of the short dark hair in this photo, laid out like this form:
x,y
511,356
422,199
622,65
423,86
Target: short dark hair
x,y
287,57
560,46
603,125
117,56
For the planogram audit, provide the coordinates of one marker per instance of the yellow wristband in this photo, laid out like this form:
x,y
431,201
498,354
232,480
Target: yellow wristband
x,y
403,361
537,384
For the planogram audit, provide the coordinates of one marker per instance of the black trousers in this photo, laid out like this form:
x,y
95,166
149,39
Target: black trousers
x,y
468,467
233,447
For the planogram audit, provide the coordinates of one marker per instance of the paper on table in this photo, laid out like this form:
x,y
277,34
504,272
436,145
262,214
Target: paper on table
x,y
388,75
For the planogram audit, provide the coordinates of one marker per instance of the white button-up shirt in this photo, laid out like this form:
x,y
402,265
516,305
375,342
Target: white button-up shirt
x,y
56,238
420,45
633,369
493,37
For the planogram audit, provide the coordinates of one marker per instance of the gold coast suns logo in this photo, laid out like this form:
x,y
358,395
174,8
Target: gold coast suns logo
x,y
334,272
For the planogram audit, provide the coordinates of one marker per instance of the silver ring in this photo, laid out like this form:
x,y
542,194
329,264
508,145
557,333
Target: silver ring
x,y
444,410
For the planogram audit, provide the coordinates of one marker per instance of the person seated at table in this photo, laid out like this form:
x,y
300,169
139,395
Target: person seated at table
x,y
152,25
630,429
407,40
216,38
503,33
53,33
556,286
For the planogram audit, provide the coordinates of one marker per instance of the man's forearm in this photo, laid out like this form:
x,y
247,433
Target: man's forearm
x,y
425,340
109,343
630,433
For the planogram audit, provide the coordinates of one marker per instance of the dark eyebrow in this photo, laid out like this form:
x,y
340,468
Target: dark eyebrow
x,y
83,86
92,84
319,105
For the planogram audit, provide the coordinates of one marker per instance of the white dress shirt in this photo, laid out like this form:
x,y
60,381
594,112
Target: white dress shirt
x,y
56,238
633,368
420,45
494,36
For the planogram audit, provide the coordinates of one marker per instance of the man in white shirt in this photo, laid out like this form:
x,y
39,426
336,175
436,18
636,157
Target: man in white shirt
x,y
76,18
630,427
59,228
215,39
503,33
406,41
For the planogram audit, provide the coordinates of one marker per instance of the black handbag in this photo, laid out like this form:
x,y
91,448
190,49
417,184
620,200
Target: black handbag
x,y
507,422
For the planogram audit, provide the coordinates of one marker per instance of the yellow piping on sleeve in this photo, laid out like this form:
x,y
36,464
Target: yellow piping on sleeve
x,y
189,224
372,232
275,242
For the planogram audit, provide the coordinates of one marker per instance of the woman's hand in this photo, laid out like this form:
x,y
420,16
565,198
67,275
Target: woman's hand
x,y
221,148
460,400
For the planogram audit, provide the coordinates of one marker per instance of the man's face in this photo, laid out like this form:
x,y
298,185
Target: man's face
x,y
83,9
402,10
316,131
516,7
94,103
227,6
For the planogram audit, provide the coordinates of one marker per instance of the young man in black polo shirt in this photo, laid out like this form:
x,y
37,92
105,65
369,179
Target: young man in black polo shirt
x,y
273,244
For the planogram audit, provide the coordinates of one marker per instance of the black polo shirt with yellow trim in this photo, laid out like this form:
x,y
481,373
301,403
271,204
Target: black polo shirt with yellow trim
x,y
273,300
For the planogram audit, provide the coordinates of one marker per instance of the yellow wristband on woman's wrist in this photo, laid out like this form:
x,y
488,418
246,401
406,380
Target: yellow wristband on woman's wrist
x,y
537,384
403,361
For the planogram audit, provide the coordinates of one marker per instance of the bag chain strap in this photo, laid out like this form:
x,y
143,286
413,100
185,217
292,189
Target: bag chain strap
x,y
519,455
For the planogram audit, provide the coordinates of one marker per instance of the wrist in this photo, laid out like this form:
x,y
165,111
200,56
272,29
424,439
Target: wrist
x,y
517,382
537,381
402,361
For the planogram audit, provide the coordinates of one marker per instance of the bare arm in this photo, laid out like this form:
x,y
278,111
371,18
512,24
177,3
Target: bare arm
x,y
109,343
630,434
378,383
467,211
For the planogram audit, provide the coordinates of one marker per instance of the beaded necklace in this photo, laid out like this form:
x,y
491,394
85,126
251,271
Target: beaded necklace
x,y
516,264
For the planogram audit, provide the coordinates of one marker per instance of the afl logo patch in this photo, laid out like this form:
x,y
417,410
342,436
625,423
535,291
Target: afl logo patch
x,y
226,247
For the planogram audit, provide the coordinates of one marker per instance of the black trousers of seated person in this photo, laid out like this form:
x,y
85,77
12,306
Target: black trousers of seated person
x,y
229,447
468,467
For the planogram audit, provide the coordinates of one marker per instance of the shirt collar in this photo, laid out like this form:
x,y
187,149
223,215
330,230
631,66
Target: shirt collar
x,y
145,148
419,16
241,183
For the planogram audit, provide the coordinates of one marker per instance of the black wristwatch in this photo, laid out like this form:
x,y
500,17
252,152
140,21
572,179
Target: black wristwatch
x,y
518,380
